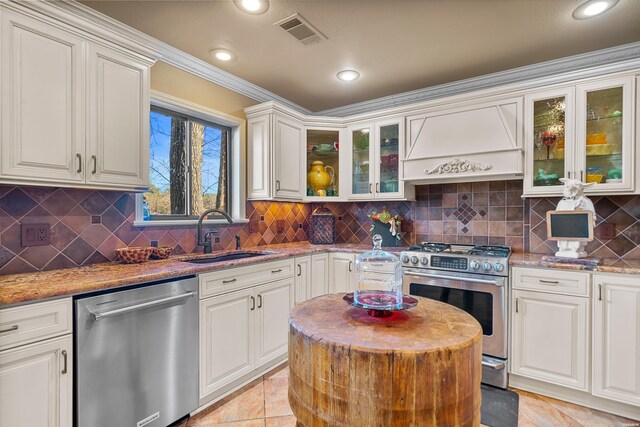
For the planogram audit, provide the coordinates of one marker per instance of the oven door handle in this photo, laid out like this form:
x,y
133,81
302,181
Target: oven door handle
x,y
463,279
490,362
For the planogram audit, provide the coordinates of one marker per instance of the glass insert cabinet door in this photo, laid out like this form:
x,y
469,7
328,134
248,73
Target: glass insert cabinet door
x,y
603,149
389,158
361,183
549,139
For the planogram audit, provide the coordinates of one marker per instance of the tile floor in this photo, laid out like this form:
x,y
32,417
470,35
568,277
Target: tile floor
x,y
263,403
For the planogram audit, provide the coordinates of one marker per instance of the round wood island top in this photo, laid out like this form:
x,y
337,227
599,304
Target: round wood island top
x,y
419,367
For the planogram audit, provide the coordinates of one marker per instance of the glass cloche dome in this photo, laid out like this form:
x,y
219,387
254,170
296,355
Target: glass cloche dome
x,y
378,279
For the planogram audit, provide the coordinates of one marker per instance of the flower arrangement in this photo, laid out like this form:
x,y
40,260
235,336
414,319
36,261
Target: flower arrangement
x,y
386,218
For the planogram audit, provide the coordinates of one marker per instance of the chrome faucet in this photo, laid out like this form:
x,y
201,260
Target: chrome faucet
x,y
206,243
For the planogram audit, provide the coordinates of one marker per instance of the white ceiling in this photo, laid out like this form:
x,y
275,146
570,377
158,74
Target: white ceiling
x,y
396,45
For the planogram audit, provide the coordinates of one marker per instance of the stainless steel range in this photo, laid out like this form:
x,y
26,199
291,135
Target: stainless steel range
x,y
474,279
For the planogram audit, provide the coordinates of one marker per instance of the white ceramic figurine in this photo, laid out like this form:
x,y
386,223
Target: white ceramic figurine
x,y
574,200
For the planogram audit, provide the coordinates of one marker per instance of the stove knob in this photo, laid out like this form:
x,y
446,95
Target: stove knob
x,y
405,258
414,259
486,266
424,260
498,267
474,265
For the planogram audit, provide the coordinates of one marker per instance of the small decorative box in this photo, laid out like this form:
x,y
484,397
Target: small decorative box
x,y
323,227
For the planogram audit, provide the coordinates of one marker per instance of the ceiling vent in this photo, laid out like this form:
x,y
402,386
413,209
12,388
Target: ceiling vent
x,y
301,29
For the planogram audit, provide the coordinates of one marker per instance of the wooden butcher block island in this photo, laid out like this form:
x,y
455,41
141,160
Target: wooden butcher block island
x,y
419,367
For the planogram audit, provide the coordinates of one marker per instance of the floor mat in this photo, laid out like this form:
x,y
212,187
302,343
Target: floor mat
x,y
499,407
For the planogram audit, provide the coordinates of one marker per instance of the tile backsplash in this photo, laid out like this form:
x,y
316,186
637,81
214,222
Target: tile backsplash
x,y
86,225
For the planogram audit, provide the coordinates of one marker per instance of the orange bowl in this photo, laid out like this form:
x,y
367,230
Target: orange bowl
x,y
161,252
133,255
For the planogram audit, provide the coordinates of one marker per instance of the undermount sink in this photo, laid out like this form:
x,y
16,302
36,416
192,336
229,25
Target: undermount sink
x,y
225,257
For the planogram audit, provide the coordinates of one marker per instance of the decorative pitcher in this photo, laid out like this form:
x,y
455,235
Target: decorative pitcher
x,y
319,178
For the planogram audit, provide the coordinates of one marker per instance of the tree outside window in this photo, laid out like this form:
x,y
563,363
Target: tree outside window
x,y
189,166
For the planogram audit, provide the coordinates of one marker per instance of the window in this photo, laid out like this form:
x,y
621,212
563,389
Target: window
x,y
190,167
208,164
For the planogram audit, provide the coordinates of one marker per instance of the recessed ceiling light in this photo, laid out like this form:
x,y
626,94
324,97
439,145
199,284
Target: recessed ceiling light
x,y
348,75
591,8
255,7
223,55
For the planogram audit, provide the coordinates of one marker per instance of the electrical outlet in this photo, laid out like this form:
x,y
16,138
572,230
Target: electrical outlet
x,y
35,234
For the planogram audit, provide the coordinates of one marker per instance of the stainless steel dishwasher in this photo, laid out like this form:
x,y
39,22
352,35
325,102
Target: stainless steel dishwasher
x,y
137,355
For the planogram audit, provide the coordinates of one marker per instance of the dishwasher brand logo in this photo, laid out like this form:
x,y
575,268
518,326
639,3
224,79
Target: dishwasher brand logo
x,y
149,419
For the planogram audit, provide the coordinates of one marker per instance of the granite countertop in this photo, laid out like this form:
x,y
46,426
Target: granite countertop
x,y
608,265
32,287
38,286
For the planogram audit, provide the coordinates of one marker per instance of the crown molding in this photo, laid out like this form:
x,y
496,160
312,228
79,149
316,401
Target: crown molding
x,y
591,64
95,23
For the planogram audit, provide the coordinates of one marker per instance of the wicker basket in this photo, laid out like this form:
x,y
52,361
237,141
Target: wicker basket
x,y
323,227
161,252
132,255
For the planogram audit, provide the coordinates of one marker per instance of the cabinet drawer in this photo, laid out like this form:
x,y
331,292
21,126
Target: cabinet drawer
x,y
218,282
553,281
29,323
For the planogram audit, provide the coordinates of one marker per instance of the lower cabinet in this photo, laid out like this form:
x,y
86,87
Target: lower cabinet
x,y
312,276
274,301
575,336
242,330
616,338
319,275
36,387
341,272
550,337
36,365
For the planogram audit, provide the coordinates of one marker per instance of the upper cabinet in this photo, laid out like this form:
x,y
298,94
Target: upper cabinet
x,y
375,151
118,143
472,142
74,111
583,132
275,156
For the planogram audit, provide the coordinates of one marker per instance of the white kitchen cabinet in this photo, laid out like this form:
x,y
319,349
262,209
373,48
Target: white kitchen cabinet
x,y
312,276
616,337
36,365
582,131
242,331
42,102
275,154
319,275
118,150
302,278
341,272
36,387
274,301
550,337
74,112
226,339
376,151
288,149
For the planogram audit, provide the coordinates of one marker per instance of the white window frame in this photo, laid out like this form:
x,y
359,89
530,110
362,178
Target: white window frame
x,y
237,152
